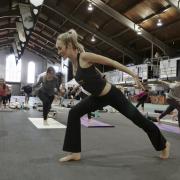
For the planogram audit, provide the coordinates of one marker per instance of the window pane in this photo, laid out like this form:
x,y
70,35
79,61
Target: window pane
x,y
13,71
31,72
56,68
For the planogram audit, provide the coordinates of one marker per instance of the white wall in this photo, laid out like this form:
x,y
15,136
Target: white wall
x,y
40,66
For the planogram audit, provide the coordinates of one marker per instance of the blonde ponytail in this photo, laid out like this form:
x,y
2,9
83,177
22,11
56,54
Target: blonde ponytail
x,y
81,48
70,36
73,34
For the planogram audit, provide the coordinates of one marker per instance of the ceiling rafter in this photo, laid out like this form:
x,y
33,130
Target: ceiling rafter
x,y
44,45
5,43
87,48
114,36
44,37
120,33
41,54
42,49
99,35
7,37
7,27
40,21
127,22
155,31
132,5
75,9
41,46
174,3
9,14
165,26
154,14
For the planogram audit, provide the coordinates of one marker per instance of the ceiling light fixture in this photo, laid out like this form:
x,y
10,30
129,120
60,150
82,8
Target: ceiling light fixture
x,y
36,3
93,39
27,32
159,23
35,11
139,30
90,7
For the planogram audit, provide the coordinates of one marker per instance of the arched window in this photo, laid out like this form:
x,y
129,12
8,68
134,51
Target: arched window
x,y
31,72
13,70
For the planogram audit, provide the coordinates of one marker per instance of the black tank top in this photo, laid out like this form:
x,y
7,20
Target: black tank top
x,y
90,79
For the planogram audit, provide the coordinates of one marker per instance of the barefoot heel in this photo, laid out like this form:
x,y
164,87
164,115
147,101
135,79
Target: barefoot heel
x,y
165,152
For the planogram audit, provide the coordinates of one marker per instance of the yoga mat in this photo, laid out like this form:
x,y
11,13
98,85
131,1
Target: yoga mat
x,y
168,128
52,124
169,121
93,123
6,110
152,116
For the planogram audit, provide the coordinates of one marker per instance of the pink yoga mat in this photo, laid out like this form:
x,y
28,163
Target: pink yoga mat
x,y
93,123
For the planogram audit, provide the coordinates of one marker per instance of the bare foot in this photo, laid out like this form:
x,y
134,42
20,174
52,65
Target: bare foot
x,y
165,152
45,123
158,120
71,157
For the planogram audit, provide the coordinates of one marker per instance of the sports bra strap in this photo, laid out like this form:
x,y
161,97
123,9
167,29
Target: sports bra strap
x,y
78,55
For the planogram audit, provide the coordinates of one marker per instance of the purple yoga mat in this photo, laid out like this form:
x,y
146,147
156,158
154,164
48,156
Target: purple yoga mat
x,y
92,123
168,128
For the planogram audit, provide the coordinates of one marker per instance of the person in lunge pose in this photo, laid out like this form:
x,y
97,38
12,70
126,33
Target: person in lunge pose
x,y
173,99
46,93
102,93
142,98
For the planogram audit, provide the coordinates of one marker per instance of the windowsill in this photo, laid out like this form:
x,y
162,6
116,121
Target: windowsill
x,y
10,82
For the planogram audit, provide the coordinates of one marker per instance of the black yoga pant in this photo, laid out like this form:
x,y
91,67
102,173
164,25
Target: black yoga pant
x,y
116,99
47,101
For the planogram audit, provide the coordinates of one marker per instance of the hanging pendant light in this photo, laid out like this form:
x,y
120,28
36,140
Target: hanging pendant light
x,y
159,23
90,7
36,3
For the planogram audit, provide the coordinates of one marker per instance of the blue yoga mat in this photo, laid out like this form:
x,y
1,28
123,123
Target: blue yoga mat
x,y
168,128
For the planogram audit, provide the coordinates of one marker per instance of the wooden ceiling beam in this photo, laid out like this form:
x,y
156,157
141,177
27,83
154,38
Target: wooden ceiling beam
x,y
127,22
99,35
174,3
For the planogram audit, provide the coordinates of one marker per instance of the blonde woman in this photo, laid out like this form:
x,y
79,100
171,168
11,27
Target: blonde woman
x,y
102,94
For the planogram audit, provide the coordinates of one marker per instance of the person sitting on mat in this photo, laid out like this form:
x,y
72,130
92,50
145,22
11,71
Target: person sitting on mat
x,y
173,99
46,93
102,94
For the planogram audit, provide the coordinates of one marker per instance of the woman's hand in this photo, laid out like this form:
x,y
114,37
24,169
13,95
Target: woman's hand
x,y
138,83
56,98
